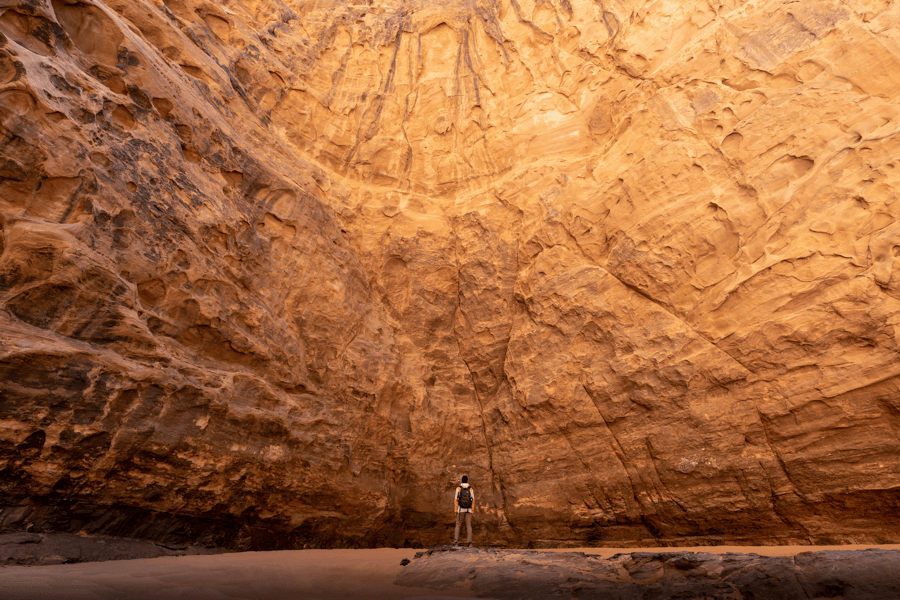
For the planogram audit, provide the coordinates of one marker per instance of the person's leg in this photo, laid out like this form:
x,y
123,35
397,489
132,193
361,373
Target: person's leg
x,y
456,531
469,528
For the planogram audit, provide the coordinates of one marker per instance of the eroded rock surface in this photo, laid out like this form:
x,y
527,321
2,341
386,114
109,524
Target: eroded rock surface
x,y
275,274
35,549
501,574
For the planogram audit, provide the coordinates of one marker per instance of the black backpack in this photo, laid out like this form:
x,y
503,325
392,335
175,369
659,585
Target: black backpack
x,y
465,497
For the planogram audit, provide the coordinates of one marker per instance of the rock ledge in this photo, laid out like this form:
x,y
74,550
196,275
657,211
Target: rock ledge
x,y
501,574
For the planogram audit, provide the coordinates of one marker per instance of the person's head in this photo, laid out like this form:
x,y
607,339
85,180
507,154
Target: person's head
x,y
465,479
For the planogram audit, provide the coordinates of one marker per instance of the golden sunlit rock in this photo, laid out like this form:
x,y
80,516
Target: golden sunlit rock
x,y
276,273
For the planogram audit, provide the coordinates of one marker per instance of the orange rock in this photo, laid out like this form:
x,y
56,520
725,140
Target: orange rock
x,y
276,275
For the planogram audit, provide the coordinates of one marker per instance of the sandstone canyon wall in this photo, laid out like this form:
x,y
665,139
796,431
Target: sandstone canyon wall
x,y
274,273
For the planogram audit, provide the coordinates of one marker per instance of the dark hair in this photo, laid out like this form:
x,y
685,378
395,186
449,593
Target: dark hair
x,y
465,479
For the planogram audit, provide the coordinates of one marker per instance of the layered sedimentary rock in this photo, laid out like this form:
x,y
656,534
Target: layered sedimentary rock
x,y
275,274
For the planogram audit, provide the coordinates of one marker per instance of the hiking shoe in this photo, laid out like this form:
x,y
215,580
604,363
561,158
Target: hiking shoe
x,y
470,544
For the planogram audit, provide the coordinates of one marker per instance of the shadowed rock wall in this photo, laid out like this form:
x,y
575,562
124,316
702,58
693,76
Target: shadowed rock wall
x,y
275,274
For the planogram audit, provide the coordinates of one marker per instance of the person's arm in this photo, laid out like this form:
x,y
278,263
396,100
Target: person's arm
x,y
456,501
472,492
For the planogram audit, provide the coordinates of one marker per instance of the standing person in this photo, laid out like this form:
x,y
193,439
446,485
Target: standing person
x,y
464,502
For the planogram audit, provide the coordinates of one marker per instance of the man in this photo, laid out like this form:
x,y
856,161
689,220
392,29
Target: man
x,y
464,502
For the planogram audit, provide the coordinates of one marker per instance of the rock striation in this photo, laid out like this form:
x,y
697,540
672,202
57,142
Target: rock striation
x,y
275,274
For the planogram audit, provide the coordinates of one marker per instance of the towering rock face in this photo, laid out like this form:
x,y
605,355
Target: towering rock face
x,y
276,274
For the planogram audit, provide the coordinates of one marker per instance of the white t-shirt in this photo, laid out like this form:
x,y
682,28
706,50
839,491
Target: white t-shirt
x,y
456,498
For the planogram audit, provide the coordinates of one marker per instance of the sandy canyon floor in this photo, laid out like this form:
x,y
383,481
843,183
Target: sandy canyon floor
x,y
378,574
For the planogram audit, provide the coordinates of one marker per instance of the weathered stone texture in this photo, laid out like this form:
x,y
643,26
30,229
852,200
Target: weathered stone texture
x,y
514,575
277,273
